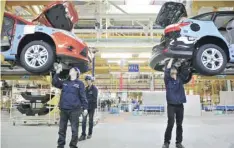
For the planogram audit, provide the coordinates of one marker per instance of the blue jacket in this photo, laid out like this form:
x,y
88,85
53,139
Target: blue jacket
x,y
175,93
92,94
73,94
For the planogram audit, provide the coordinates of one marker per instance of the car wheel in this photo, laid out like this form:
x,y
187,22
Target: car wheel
x,y
210,60
37,57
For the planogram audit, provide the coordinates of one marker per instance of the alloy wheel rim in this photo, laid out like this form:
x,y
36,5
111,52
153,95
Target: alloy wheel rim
x,y
36,56
212,59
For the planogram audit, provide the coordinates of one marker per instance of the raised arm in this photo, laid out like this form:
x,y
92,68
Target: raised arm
x,y
170,63
167,71
56,82
82,95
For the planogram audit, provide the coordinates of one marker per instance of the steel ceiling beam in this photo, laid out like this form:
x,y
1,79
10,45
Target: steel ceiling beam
x,y
28,3
116,6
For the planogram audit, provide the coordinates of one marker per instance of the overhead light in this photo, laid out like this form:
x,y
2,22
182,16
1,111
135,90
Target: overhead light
x,y
138,2
116,55
36,9
136,61
114,61
144,55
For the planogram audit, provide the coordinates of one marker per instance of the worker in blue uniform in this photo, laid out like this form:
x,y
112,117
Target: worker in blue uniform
x,y
175,95
72,102
92,94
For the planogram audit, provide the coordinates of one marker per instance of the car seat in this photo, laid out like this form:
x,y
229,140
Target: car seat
x,y
230,31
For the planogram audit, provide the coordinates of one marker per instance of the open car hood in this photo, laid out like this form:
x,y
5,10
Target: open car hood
x,y
59,14
170,13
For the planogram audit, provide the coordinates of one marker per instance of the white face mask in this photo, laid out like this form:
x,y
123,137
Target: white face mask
x,y
89,82
73,73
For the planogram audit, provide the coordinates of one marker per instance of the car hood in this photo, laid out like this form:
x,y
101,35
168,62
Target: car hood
x,y
170,13
59,14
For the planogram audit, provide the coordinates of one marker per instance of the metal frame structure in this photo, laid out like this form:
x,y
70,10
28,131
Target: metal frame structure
x,y
17,117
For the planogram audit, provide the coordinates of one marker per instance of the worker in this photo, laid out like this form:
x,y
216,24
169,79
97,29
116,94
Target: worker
x,y
92,94
72,102
175,95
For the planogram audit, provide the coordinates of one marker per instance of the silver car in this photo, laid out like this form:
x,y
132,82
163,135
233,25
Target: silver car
x,y
202,44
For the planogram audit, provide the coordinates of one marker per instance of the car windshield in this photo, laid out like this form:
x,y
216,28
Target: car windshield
x,y
203,17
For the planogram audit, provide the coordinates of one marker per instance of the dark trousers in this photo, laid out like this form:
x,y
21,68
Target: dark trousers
x,y
174,112
73,117
84,123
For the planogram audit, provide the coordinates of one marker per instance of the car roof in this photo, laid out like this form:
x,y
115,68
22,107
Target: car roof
x,y
215,12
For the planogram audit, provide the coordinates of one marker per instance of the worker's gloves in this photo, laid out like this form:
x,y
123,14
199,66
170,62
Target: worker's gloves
x,y
58,68
85,113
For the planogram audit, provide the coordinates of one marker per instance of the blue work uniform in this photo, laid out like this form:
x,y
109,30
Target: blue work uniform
x,y
72,100
175,93
72,95
92,95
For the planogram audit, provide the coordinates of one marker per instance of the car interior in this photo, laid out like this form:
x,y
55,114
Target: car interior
x,y
230,30
223,22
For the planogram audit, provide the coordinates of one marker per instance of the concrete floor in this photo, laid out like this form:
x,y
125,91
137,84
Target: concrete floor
x,y
127,131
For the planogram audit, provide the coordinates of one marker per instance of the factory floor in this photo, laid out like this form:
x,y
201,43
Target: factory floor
x,y
127,131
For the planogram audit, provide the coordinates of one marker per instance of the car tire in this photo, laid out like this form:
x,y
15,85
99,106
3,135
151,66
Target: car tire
x,y
205,54
45,54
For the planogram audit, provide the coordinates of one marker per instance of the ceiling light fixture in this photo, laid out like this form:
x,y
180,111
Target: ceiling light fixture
x,y
136,61
116,55
144,55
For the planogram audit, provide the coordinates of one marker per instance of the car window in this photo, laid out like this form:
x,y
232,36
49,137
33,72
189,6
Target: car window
x,y
206,17
8,26
221,21
20,22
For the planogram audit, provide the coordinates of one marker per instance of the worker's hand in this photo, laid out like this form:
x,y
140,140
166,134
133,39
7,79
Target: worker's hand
x,y
85,113
58,68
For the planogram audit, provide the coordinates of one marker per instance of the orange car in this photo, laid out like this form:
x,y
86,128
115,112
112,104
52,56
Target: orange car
x,y
37,47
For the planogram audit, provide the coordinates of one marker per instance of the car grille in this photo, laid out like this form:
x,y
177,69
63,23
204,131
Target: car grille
x,y
84,52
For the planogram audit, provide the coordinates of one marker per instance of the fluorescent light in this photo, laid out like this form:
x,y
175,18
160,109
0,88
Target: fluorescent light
x,y
136,61
36,9
114,61
144,55
116,55
138,2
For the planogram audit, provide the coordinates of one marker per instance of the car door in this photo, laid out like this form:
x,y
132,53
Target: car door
x,y
221,21
170,13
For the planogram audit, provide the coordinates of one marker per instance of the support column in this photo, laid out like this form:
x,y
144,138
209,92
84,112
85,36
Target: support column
x,y
229,86
188,6
93,65
3,2
152,82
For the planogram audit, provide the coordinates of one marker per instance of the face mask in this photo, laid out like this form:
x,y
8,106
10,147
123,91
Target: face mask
x,y
73,73
89,82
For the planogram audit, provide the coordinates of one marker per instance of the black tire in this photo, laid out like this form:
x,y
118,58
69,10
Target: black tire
x,y
44,68
198,65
